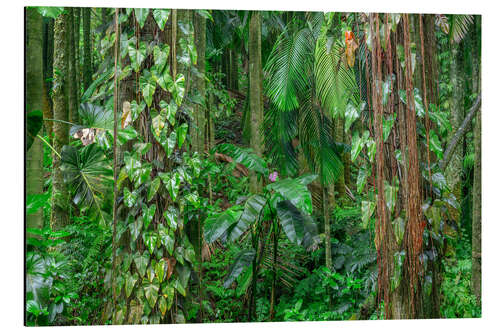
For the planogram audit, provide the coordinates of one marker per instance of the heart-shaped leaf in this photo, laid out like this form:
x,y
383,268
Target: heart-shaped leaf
x,y
161,17
130,283
150,240
153,188
135,228
141,14
148,215
151,292
148,86
141,262
130,198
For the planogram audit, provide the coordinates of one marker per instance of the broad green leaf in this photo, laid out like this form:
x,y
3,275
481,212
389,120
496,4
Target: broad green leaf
x,y
150,271
141,262
169,293
250,215
435,144
387,125
171,217
351,114
160,270
243,260
172,183
181,134
151,291
153,188
367,209
357,146
161,17
36,201
160,56
299,228
136,109
171,143
295,191
148,86
148,214
135,228
162,305
141,14
150,240
136,54
167,238
176,88
169,110
142,148
130,198
215,225
179,287
399,229
130,281
361,179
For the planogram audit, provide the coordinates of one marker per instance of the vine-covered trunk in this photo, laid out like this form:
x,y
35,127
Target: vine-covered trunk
x,y
60,208
87,51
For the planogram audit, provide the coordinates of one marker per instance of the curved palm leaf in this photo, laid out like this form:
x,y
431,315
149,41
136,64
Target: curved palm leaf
x,y
459,26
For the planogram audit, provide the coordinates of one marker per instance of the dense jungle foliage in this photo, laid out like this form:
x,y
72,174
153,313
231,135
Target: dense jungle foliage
x,y
194,166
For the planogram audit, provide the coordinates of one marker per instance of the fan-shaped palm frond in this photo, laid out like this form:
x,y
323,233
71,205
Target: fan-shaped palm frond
x,y
88,173
459,26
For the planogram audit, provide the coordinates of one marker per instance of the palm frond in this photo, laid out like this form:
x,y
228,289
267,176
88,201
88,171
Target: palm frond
x,y
335,82
459,26
288,67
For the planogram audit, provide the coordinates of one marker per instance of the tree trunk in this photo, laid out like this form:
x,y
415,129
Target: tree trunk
x,y
256,102
476,215
72,95
60,215
87,65
339,138
34,101
77,12
198,133
48,56
454,170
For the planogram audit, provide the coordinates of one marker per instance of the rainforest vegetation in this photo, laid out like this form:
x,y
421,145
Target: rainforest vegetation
x,y
194,166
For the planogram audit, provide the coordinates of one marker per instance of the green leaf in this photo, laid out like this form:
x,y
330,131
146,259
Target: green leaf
x,y
243,260
167,238
150,240
171,216
177,88
399,229
161,17
387,125
298,227
391,194
148,215
52,12
141,14
36,201
171,143
250,215
181,134
153,188
160,56
151,291
89,175
295,191
179,287
245,157
361,179
130,198
170,110
137,55
172,183
367,209
148,86
130,281
357,146
135,228
351,114
169,293
216,225
136,109
205,13
162,305
435,144
141,262
160,270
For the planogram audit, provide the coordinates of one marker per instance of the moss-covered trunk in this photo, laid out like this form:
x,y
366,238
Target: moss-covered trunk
x,y
60,208
34,101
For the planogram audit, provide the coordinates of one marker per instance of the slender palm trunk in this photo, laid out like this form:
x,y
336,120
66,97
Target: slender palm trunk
x,y
256,101
34,101
87,65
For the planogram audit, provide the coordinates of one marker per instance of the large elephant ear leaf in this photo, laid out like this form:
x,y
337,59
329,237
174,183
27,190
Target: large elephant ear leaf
x,y
298,227
295,191
251,212
88,174
33,125
246,157
242,261
216,225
